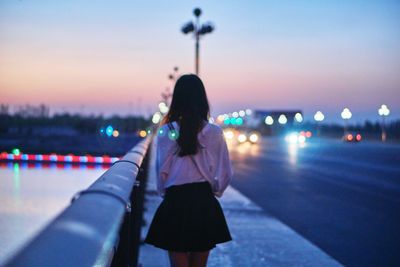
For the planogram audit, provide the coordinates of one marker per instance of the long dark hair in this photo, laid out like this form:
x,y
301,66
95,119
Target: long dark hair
x,y
189,108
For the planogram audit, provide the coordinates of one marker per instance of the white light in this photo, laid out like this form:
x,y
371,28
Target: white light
x,y
235,114
269,120
298,117
282,119
98,159
346,114
156,118
301,139
242,113
291,138
242,138
226,116
253,138
384,111
228,134
319,116
211,120
248,112
163,107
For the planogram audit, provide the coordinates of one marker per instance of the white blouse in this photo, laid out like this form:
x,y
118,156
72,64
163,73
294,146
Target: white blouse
x,y
211,163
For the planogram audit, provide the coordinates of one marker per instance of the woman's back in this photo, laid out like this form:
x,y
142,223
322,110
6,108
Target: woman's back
x,y
210,163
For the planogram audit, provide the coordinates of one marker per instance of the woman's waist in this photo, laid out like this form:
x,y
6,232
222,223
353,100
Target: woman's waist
x,y
188,187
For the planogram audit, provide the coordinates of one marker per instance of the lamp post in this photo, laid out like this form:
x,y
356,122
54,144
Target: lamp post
x,y
318,117
346,115
383,111
197,31
166,95
173,76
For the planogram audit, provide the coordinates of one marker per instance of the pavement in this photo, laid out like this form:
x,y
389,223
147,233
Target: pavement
x,y
258,238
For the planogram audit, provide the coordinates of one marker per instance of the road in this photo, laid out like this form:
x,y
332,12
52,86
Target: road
x,y
343,197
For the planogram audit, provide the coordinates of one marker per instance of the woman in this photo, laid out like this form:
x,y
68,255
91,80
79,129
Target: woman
x,y
193,167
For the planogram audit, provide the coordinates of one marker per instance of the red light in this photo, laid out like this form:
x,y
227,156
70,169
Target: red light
x,y
75,159
90,159
60,166
349,137
106,159
3,155
302,133
308,134
31,165
358,137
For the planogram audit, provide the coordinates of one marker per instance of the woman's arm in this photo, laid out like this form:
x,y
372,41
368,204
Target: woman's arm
x,y
224,171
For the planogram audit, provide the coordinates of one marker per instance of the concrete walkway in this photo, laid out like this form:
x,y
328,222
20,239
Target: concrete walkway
x,y
258,239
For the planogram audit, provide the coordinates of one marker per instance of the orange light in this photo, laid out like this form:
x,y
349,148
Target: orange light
x,y
349,137
308,134
143,133
358,137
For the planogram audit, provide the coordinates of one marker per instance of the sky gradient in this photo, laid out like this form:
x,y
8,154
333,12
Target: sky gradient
x,y
115,56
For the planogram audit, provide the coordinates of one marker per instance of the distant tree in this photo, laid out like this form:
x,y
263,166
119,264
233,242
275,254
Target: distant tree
x,y
4,109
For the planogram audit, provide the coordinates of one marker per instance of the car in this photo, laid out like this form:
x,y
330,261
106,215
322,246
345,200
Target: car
x,y
296,138
234,135
352,137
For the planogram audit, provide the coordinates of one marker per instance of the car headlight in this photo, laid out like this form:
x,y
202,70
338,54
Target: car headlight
x,y
253,138
242,138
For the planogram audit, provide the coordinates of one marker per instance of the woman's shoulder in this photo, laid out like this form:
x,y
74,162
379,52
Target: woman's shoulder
x,y
165,133
211,129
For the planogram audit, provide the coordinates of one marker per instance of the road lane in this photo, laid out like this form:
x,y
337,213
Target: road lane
x,y
343,197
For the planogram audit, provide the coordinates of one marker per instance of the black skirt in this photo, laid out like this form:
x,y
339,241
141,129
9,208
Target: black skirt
x,y
189,219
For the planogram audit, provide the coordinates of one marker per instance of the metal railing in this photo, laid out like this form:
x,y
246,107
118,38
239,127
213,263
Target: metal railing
x,y
100,227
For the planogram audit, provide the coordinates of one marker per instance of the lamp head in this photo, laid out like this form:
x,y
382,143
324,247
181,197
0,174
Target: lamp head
x,y
188,27
197,12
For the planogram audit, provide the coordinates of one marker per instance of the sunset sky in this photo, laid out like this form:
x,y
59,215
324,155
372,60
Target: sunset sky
x,y
115,56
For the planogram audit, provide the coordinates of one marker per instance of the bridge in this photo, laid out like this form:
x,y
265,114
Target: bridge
x,y
313,204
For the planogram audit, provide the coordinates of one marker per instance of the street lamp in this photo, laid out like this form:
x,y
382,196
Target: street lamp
x,y
383,111
269,120
197,31
282,119
318,117
346,115
166,95
173,76
298,117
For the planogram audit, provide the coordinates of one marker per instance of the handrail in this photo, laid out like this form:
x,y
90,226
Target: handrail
x,y
86,233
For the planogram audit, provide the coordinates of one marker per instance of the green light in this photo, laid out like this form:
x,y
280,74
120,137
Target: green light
x,y
173,135
17,181
239,121
16,151
233,121
227,121
161,132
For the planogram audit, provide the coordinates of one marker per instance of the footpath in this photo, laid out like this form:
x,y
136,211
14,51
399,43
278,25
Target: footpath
x,y
258,238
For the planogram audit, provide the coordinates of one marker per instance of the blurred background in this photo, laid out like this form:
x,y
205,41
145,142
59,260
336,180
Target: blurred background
x,y
305,90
